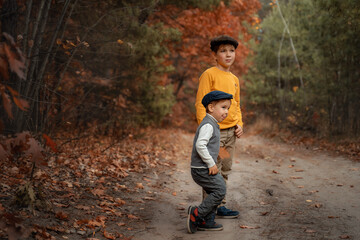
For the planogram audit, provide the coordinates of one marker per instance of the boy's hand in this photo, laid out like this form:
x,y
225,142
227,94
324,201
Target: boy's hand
x,y
238,131
213,170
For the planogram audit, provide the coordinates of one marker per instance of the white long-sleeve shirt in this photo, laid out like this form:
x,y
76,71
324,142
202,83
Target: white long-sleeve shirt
x,y
205,133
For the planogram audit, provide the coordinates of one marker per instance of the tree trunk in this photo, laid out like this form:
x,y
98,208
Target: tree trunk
x,y
9,17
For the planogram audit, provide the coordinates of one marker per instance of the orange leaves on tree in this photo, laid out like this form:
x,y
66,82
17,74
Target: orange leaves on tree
x,y
21,103
11,54
11,59
198,26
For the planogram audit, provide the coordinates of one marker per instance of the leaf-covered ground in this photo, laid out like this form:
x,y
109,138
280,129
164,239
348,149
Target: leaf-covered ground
x,y
93,187
97,187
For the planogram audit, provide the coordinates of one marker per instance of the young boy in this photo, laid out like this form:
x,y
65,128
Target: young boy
x,y
220,78
203,162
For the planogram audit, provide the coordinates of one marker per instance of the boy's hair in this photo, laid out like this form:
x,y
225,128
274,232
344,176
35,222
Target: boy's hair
x,y
222,39
214,103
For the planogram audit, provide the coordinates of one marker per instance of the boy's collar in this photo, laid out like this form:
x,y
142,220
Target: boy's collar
x,y
212,117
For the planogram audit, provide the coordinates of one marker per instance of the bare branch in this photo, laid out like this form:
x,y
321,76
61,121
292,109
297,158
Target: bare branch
x,y
291,43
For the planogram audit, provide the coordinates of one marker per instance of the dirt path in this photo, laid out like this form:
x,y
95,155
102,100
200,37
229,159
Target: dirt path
x,y
281,191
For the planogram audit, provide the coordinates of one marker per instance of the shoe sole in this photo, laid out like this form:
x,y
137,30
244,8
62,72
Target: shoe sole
x,y
189,222
227,217
210,229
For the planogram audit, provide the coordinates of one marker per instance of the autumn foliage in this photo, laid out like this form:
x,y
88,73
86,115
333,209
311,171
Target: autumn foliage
x,y
192,55
11,61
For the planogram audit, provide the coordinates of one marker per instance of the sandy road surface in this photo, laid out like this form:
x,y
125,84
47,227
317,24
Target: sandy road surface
x,y
281,191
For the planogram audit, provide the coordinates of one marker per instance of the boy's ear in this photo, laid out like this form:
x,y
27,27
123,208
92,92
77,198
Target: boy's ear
x,y
211,107
214,55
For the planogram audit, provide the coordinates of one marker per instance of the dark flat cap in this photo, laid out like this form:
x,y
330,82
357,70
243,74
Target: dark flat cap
x,y
222,39
214,96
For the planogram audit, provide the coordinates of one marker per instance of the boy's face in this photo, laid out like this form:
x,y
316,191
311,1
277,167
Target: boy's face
x,y
225,56
220,109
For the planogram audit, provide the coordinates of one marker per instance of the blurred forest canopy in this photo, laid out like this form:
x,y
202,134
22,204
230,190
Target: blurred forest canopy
x,y
112,65
318,89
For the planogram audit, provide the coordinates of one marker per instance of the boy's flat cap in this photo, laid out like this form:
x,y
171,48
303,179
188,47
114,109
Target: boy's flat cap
x,y
222,39
214,96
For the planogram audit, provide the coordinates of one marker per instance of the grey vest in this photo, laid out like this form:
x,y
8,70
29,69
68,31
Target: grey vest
x,y
213,145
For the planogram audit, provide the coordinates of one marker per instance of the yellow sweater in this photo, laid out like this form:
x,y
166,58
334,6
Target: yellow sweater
x,y
216,79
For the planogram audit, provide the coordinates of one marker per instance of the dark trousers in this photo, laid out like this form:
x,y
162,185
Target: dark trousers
x,y
214,186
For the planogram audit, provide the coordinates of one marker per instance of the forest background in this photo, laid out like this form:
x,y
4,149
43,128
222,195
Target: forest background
x,y
71,69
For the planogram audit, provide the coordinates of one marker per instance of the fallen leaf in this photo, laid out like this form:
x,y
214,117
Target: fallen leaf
x,y
248,227
57,229
291,166
318,205
121,186
295,177
149,198
99,221
120,201
314,191
299,170
344,237
109,235
61,205
339,185
301,186
308,200
61,215
274,171
174,193
146,179
139,185
132,216
121,224
98,192
81,207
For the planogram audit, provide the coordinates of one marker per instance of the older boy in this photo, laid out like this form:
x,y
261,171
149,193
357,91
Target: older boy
x,y
203,162
220,78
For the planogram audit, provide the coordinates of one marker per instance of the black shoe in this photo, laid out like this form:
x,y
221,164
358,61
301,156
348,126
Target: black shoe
x,y
223,212
213,226
209,224
192,219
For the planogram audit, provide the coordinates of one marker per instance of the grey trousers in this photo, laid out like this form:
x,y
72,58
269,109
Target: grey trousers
x,y
227,141
214,186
